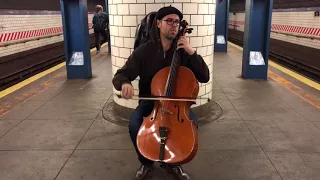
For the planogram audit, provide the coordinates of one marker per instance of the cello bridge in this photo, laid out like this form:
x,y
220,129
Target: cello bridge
x,y
166,111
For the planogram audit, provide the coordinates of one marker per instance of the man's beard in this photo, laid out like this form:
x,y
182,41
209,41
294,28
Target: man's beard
x,y
170,37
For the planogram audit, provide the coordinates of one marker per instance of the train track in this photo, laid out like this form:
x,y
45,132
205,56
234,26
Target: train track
x,y
18,67
286,61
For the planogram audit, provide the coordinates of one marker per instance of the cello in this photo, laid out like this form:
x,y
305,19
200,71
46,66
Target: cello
x,y
167,135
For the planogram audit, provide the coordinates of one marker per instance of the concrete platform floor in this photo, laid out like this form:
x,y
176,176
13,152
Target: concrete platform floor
x,y
266,131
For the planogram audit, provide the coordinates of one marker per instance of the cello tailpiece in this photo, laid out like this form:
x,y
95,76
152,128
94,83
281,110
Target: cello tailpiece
x,y
163,131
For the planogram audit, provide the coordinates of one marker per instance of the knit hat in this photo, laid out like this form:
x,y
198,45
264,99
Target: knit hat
x,y
168,10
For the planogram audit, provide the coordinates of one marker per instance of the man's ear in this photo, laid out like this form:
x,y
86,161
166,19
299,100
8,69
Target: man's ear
x,y
158,23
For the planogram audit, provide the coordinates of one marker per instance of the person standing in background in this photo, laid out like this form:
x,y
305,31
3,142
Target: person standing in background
x,y
100,23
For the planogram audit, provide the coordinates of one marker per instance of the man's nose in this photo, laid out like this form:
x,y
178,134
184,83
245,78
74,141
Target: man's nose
x,y
175,24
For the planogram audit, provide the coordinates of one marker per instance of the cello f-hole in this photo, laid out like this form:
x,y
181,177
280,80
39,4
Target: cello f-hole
x,y
178,116
155,116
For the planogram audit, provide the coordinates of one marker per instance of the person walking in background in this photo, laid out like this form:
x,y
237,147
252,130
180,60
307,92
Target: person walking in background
x,y
100,23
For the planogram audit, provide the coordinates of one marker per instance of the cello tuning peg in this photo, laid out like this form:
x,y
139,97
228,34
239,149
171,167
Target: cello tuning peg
x,y
189,30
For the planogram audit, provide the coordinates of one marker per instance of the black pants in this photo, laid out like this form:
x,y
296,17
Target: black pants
x,y
144,109
97,38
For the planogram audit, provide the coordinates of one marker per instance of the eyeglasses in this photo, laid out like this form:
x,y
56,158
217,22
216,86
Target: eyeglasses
x,y
171,22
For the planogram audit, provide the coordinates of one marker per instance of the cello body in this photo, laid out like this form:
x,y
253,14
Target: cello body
x,y
167,135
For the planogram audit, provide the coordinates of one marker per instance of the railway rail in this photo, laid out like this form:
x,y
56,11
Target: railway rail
x,y
300,59
20,66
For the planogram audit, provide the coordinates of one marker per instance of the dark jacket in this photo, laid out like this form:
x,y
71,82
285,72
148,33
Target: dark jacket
x,y
148,59
105,22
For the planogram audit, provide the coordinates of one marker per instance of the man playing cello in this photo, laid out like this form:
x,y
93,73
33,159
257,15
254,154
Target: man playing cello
x,y
145,62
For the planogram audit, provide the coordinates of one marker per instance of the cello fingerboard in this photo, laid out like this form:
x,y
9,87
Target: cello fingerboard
x,y
172,74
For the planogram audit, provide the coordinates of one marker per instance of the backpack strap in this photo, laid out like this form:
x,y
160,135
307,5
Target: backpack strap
x,y
144,28
138,36
149,23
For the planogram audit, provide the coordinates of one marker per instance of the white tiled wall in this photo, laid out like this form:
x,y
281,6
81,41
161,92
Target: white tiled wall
x,y
15,23
16,48
200,14
17,27
292,23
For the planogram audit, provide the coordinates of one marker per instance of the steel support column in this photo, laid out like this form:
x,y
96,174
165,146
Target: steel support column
x,y
221,26
107,12
256,39
76,38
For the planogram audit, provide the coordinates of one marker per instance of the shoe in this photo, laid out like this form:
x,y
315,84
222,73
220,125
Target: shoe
x,y
178,171
98,49
143,171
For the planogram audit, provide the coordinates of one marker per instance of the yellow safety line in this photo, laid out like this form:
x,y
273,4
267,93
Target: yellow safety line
x,y
289,72
290,86
296,89
29,80
35,77
295,75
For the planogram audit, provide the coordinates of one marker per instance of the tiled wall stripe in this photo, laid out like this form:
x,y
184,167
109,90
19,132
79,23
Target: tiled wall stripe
x,y
297,29
302,28
31,33
22,25
287,28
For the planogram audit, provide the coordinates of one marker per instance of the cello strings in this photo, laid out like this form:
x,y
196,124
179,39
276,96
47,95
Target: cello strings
x,y
172,74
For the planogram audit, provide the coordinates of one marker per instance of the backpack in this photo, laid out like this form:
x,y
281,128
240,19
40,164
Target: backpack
x,y
143,29
100,24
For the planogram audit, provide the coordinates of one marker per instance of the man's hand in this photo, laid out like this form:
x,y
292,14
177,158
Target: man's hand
x,y
127,91
184,43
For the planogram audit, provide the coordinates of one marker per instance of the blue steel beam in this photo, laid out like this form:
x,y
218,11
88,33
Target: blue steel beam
x,y
107,12
221,26
256,39
76,38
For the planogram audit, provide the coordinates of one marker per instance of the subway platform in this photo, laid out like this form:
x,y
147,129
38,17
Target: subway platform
x,y
55,128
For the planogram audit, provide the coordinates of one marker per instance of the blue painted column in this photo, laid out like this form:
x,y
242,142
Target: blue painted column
x,y
221,26
76,38
107,12
256,39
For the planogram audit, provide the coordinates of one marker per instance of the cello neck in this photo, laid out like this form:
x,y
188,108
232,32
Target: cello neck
x,y
175,61
172,74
